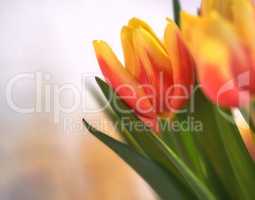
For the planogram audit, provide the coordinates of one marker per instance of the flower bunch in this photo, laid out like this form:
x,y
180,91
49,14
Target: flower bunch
x,y
157,77
222,41
215,50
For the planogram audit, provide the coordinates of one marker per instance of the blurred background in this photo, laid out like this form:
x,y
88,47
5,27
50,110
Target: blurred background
x,y
47,69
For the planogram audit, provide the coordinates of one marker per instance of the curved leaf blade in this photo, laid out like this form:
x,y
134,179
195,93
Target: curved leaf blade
x,y
154,147
164,183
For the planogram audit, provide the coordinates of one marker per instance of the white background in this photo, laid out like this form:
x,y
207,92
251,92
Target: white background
x,y
55,37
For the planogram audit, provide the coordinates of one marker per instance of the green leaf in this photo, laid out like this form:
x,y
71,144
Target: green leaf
x,y
213,143
193,181
164,183
126,136
153,146
182,142
129,122
177,9
187,149
129,139
126,120
241,162
169,136
210,143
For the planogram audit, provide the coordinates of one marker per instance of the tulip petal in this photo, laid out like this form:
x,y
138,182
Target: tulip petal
x,y
137,23
215,75
131,61
230,25
122,81
224,7
215,27
244,21
151,123
189,25
240,61
156,64
182,65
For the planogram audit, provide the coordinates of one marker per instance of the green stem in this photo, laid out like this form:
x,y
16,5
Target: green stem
x,y
177,9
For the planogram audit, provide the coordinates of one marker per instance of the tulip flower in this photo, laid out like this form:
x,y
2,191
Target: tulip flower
x,y
156,76
222,42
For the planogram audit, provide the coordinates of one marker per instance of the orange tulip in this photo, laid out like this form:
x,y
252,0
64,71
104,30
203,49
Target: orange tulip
x,y
156,78
222,41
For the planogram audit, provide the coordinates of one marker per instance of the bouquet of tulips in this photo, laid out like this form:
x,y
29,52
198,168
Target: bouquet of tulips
x,y
173,101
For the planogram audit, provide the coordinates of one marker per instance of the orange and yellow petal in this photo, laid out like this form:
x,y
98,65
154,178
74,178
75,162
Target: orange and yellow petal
x,y
215,27
122,81
222,7
131,61
156,63
189,26
244,22
226,28
182,65
239,12
215,75
135,23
